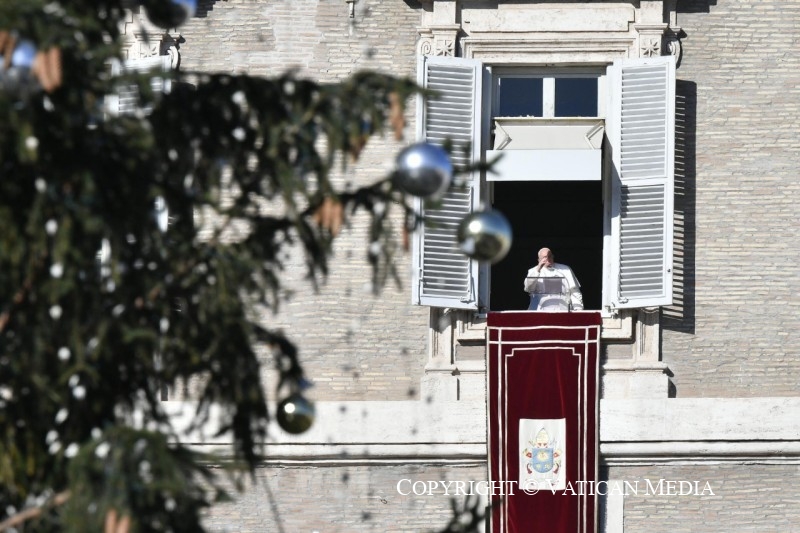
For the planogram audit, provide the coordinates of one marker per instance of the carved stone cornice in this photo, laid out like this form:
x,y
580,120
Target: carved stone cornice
x,y
452,27
651,38
673,37
439,40
542,50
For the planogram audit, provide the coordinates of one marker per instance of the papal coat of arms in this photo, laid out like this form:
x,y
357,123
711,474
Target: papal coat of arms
x,y
542,453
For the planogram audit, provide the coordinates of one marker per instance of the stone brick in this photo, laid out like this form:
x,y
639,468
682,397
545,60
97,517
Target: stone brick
x,y
356,342
754,497
340,498
741,331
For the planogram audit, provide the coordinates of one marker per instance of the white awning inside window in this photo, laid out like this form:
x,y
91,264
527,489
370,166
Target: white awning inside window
x,y
547,149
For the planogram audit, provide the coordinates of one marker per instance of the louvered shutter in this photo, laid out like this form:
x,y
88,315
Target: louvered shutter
x,y
641,132
126,99
443,276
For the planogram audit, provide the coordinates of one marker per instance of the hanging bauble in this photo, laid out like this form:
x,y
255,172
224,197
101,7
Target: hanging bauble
x,y
18,78
295,413
24,54
424,170
485,236
169,13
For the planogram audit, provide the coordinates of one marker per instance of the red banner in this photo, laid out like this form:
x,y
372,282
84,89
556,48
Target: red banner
x,y
542,406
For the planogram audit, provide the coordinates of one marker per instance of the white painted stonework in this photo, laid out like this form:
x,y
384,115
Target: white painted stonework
x,y
545,33
406,431
685,430
691,419
534,18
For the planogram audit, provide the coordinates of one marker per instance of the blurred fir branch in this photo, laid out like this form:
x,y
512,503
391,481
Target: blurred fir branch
x,y
101,306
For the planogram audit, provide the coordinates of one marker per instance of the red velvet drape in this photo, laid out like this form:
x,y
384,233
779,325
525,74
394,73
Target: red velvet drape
x,y
543,366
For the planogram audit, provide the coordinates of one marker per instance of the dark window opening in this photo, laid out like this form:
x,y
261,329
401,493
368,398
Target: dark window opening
x,y
565,216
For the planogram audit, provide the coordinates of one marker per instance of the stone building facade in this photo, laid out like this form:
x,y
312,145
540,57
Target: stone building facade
x,y
703,389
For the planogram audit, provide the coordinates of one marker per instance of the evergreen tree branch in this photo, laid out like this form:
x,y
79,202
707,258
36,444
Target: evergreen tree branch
x,y
33,512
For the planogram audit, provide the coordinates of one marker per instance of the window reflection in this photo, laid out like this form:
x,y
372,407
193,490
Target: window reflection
x,y
547,96
520,97
576,97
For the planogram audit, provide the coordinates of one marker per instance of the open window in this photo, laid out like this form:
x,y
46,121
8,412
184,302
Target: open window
x,y
587,170
547,131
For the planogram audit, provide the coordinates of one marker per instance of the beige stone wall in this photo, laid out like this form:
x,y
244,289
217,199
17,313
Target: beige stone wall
x,y
753,497
738,333
331,499
734,332
341,499
353,344
735,328
316,37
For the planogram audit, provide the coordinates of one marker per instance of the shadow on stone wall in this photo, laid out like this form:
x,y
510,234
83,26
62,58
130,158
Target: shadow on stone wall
x,y
683,6
680,316
695,6
204,6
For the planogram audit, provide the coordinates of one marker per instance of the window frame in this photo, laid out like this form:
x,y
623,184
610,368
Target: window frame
x,y
484,108
548,76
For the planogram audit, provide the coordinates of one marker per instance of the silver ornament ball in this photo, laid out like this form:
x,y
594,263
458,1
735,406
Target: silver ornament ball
x,y
295,413
18,78
423,170
24,54
169,13
485,236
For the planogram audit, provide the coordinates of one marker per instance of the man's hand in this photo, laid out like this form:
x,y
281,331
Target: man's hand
x,y
545,257
542,263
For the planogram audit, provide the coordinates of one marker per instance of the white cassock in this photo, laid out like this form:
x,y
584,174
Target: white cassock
x,y
553,289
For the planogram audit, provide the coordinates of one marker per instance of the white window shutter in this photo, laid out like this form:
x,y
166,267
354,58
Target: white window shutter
x,y
442,275
126,99
641,131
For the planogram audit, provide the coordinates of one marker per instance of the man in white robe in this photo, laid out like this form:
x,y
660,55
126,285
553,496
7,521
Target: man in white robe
x,y
553,286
